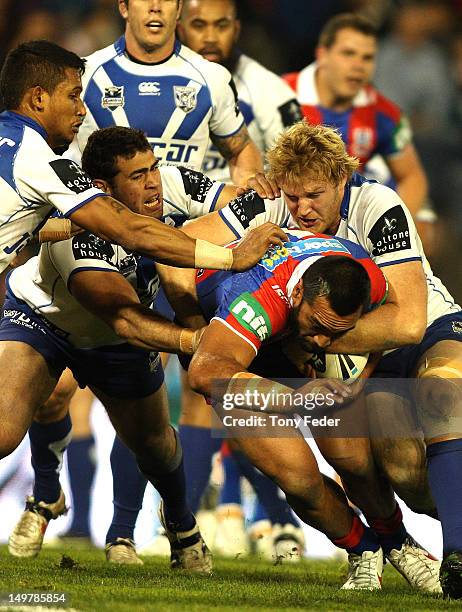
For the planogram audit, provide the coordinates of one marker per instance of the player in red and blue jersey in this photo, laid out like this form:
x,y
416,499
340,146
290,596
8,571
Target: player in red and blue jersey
x,y
336,91
266,290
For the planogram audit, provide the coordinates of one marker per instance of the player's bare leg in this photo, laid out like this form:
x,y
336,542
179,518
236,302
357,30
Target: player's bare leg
x,y
29,382
400,459
143,425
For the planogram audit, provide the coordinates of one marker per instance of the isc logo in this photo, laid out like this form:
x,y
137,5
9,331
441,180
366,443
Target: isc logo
x,y
149,88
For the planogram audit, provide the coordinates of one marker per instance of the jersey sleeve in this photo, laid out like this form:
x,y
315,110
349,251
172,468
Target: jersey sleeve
x,y
394,131
56,180
252,310
189,191
81,253
386,227
226,117
250,210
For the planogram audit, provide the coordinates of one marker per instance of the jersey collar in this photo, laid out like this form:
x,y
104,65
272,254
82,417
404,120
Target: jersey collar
x,y
17,117
120,46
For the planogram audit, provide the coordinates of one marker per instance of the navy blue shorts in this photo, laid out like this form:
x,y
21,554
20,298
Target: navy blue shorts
x,y
122,371
402,363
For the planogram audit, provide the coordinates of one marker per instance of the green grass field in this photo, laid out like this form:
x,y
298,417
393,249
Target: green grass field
x,y
241,585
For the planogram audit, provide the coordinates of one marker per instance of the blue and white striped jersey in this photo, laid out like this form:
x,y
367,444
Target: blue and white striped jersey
x,y
42,282
178,103
33,183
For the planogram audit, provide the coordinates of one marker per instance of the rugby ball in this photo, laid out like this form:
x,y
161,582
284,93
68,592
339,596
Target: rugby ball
x,y
344,367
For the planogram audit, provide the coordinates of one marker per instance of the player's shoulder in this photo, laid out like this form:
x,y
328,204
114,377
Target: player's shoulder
x,y
382,104
101,56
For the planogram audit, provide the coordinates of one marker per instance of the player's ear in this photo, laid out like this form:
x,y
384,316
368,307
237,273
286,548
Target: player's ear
x,y
38,98
237,31
103,185
297,294
320,53
123,8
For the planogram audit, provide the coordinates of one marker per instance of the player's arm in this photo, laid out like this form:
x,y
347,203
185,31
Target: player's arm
x,y
109,296
115,223
244,158
411,182
400,321
180,288
223,356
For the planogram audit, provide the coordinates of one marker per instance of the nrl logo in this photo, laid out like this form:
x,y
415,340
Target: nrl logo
x,y
113,97
185,98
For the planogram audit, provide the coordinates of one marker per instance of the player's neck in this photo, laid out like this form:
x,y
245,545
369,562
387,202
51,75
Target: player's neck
x,y
148,56
327,97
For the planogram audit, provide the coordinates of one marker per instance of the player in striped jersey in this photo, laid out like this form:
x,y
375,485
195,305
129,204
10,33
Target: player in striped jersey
x,y
147,79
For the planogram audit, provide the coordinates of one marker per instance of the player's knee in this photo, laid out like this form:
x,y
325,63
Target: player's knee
x,y
402,462
57,405
10,438
356,461
299,481
439,389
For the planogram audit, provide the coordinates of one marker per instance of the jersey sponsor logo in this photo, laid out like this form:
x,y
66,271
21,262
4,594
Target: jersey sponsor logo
x,y
7,141
390,232
252,316
173,152
149,88
402,134
362,139
196,184
71,175
89,246
113,97
457,327
185,98
290,112
246,207
313,246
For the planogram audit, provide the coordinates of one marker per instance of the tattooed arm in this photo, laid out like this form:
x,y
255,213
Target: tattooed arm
x,y
243,156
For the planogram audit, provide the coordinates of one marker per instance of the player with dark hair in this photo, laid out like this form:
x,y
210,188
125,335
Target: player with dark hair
x,y
120,162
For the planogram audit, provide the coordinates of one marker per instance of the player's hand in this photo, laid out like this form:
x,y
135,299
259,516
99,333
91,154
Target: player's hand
x,y
255,244
332,389
260,183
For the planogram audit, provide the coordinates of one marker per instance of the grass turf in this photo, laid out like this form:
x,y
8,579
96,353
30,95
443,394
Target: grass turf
x,y
242,584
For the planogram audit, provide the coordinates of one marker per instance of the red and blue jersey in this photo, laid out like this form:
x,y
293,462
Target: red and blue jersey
x,y
256,304
373,124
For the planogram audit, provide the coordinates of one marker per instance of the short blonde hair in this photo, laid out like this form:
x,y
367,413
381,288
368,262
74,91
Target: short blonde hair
x,y
310,151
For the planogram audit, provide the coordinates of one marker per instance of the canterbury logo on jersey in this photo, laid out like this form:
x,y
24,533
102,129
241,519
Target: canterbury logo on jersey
x,y
149,88
312,246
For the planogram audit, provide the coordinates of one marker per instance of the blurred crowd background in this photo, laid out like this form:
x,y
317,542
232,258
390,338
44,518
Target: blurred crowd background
x,y
419,67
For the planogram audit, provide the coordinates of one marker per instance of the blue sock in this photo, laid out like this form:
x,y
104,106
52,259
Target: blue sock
x,y
129,485
172,488
198,450
445,478
48,443
231,489
81,465
267,491
259,512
